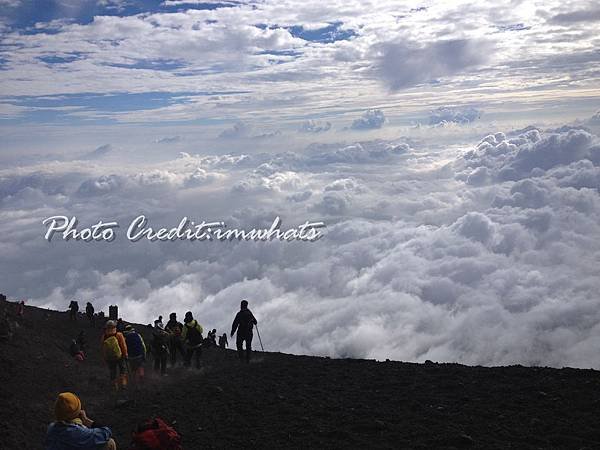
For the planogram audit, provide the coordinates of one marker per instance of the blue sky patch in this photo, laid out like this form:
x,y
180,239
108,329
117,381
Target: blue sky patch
x,y
54,59
512,27
149,64
328,34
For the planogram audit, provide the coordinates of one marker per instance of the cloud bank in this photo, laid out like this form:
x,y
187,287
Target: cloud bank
x,y
485,254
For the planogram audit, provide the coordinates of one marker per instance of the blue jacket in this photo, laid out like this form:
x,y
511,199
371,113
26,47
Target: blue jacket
x,y
71,436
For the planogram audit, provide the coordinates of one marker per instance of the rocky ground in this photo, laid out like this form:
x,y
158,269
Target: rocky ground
x,y
286,401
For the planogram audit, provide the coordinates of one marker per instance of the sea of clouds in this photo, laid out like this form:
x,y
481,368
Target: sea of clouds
x,y
480,253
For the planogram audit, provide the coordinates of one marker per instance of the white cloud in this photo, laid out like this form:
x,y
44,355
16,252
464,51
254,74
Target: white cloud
x,y
312,126
447,114
489,272
370,120
404,64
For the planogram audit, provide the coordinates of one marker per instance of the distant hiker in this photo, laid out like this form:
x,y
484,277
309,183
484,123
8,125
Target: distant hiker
x,y
192,338
136,350
160,348
20,310
244,322
114,351
73,429
75,351
73,309
89,312
120,325
175,328
210,339
82,341
159,322
223,341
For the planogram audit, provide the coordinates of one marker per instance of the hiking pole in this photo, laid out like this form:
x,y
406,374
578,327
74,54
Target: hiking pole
x,y
259,339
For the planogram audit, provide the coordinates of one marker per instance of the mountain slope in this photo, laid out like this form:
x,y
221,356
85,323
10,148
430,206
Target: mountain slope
x,y
286,401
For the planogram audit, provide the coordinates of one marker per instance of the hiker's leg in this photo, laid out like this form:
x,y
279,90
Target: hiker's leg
x,y
198,356
239,342
173,349
248,347
181,349
112,369
123,373
188,357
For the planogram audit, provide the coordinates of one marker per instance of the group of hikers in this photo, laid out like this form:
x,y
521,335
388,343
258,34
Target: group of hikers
x,y
124,352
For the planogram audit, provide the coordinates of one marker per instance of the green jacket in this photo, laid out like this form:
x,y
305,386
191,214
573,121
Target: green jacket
x,y
192,332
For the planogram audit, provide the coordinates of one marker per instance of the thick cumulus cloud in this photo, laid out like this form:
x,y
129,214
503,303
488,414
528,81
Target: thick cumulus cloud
x,y
486,256
448,115
372,119
313,126
531,154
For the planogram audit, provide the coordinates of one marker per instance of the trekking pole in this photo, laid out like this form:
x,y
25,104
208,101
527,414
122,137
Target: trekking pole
x,y
259,339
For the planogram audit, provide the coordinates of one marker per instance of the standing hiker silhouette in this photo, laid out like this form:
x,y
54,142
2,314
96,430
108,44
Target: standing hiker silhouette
x,y
244,322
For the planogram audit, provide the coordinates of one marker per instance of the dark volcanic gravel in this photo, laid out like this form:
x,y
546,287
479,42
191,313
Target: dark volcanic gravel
x,y
285,401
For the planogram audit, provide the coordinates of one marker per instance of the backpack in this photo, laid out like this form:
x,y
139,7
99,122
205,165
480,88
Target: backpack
x,y
156,434
174,329
159,342
135,348
193,336
111,349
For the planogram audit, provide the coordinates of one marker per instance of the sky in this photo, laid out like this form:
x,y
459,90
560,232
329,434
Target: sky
x,y
451,148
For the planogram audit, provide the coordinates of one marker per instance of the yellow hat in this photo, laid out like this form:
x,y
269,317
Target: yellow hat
x,y
67,406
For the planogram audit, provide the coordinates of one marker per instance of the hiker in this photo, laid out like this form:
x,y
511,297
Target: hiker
x,y
73,429
223,341
192,338
175,328
136,350
159,321
20,310
73,309
160,348
82,341
89,312
114,352
212,337
244,322
76,351
120,325
208,340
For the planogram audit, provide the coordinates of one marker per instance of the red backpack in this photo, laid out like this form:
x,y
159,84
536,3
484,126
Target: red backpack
x,y
156,434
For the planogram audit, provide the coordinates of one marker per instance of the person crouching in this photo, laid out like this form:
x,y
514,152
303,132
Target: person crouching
x,y
73,429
